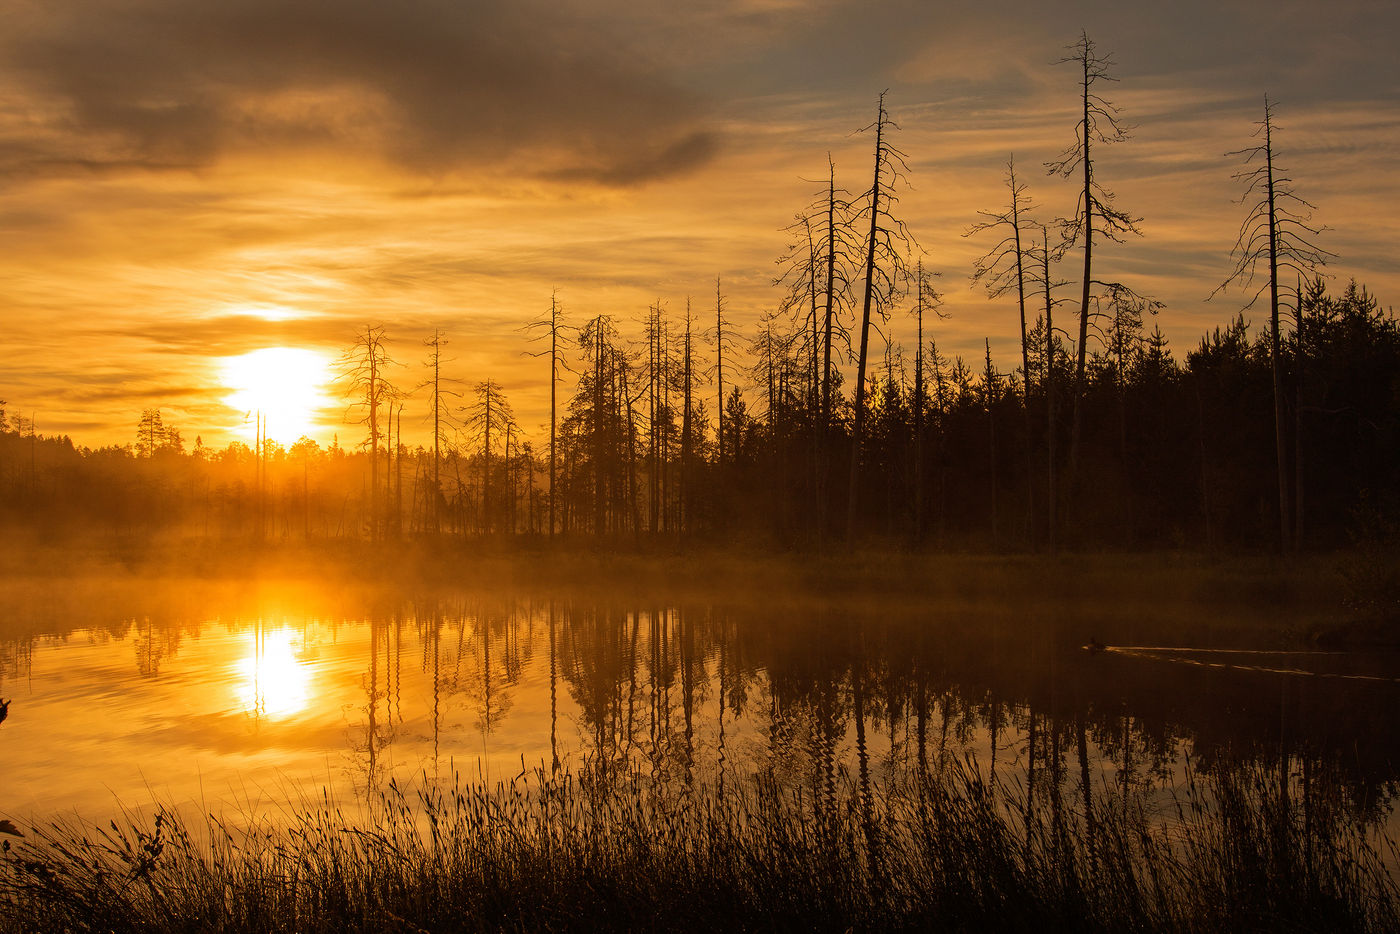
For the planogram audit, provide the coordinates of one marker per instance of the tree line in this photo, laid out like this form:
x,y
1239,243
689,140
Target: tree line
x,y
682,426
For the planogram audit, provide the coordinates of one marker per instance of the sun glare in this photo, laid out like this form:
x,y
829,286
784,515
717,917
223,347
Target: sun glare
x,y
273,681
285,384
265,312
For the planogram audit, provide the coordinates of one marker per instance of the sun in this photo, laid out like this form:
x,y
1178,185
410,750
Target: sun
x,y
287,385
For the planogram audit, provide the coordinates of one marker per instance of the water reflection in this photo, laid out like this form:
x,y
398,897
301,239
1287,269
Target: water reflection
x,y
273,678
818,700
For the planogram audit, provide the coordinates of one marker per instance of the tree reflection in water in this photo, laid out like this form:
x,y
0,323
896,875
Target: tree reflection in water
x,y
814,699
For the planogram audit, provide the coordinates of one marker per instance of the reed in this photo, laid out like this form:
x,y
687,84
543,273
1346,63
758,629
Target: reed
x,y
946,850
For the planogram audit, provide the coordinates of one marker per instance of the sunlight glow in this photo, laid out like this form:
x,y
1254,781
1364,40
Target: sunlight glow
x,y
265,312
286,384
272,680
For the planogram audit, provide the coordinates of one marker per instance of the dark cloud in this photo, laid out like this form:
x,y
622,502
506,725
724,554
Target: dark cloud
x,y
430,85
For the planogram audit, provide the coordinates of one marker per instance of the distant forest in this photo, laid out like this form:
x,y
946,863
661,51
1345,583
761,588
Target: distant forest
x,y
1173,454
1099,437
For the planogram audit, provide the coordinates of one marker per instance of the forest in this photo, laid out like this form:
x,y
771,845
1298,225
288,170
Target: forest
x,y
814,426
1173,453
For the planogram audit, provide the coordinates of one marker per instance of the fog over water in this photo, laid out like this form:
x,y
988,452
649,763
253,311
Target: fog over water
x,y
240,703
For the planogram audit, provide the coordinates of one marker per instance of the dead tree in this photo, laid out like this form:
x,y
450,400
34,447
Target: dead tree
x,y
1042,257
926,299
363,367
885,272
553,327
1278,229
441,418
819,268
1001,269
721,342
1098,123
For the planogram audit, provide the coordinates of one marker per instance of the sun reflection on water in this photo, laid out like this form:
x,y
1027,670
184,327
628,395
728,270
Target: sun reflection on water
x,y
273,679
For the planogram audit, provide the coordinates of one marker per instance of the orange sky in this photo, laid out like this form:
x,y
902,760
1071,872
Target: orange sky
x,y
184,183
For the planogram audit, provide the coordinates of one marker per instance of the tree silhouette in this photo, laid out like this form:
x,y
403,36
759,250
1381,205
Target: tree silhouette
x,y
1003,267
363,367
490,412
926,299
441,417
1277,228
1048,285
722,342
885,270
819,268
1098,123
153,436
553,327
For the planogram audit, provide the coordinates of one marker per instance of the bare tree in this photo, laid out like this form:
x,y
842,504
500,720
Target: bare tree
x,y
687,421
441,416
819,268
553,327
1002,268
1098,123
885,271
1277,228
1041,259
926,298
721,342
363,367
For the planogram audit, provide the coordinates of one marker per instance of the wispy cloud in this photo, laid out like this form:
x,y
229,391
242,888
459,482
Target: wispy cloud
x,y
169,167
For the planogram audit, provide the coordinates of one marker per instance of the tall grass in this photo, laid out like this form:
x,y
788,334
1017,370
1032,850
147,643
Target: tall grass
x,y
944,851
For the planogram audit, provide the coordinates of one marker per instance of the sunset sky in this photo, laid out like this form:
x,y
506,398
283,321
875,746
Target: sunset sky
x,y
187,182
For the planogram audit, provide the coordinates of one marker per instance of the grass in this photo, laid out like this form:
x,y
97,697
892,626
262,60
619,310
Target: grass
x,y
552,851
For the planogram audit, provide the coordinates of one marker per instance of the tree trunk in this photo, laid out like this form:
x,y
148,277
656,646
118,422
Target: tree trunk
x,y
1088,196
853,488
1280,432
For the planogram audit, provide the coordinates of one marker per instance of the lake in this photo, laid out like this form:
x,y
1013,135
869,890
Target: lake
x,y
247,697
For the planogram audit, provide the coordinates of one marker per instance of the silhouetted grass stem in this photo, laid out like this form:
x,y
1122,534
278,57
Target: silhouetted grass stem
x,y
551,850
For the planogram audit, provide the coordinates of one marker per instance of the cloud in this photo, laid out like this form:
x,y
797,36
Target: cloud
x,y
431,86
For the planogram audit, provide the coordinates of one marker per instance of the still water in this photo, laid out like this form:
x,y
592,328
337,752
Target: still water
x,y
248,704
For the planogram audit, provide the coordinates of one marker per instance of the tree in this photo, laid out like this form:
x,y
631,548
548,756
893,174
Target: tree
x,y
597,412
885,271
818,269
1048,284
363,366
1124,340
490,412
689,422
1278,228
1002,268
658,413
721,341
1098,123
991,394
442,418
552,326
150,433
925,299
